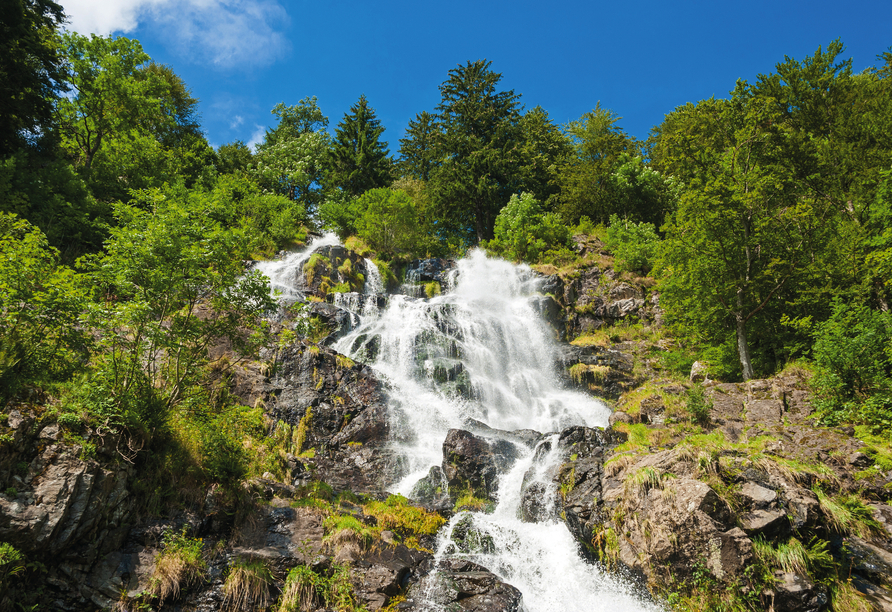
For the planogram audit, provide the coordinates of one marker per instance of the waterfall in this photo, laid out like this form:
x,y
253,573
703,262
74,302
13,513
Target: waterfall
x,y
373,283
283,273
478,356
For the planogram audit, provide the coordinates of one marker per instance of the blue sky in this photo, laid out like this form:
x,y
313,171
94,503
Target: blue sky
x,y
641,59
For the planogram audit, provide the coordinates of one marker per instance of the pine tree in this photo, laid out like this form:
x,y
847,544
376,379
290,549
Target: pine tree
x,y
481,158
358,160
418,148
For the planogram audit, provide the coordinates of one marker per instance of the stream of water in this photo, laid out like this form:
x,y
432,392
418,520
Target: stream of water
x,y
480,353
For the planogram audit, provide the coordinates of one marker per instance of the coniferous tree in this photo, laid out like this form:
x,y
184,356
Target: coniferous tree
x,y
480,150
358,160
418,149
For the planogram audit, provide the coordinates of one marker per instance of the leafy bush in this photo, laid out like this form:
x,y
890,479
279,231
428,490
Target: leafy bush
x,y
390,223
698,406
524,233
853,351
634,245
40,304
171,283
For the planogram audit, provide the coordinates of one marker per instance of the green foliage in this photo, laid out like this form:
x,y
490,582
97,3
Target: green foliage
x,y
398,515
849,515
418,154
479,161
170,283
524,233
31,70
41,339
853,351
698,405
306,590
49,193
793,556
129,124
272,222
291,158
586,177
389,221
634,245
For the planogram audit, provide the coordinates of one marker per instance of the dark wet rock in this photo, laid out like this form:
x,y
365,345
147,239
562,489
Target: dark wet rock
x,y
328,267
66,507
433,489
870,561
467,538
428,270
383,573
347,410
463,586
469,465
550,311
796,593
526,437
604,372
534,504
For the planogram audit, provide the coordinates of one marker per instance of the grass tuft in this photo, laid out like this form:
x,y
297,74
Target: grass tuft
x,y
247,585
178,566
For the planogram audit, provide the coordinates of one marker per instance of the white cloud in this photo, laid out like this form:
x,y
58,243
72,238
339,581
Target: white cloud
x,y
257,136
106,16
225,33
236,121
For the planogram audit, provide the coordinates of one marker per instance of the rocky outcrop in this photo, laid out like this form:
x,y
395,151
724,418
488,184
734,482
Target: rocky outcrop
x,y
604,372
330,267
469,465
463,586
334,406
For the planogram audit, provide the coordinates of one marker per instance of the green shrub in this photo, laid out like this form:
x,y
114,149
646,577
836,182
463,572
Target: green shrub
x,y
40,303
524,233
634,245
698,406
853,352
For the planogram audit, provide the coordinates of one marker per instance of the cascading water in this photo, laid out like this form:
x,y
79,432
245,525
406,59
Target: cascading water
x,y
481,356
282,273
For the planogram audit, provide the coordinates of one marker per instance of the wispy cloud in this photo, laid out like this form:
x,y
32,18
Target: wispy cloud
x,y
223,33
236,121
257,136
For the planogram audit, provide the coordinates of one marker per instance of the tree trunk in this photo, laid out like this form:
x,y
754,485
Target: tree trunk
x,y
743,347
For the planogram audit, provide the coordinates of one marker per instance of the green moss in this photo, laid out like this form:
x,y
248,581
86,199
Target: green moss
x,y
466,500
432,289
315,267
399,516
302,429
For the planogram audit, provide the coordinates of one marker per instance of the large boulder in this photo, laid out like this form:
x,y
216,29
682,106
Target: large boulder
x,y
469,465
462,586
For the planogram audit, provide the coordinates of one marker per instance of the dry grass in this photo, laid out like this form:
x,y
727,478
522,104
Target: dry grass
x,y
247,585
303,592
179,565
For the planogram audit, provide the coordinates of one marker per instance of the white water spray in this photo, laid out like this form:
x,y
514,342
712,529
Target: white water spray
x,y
283,273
